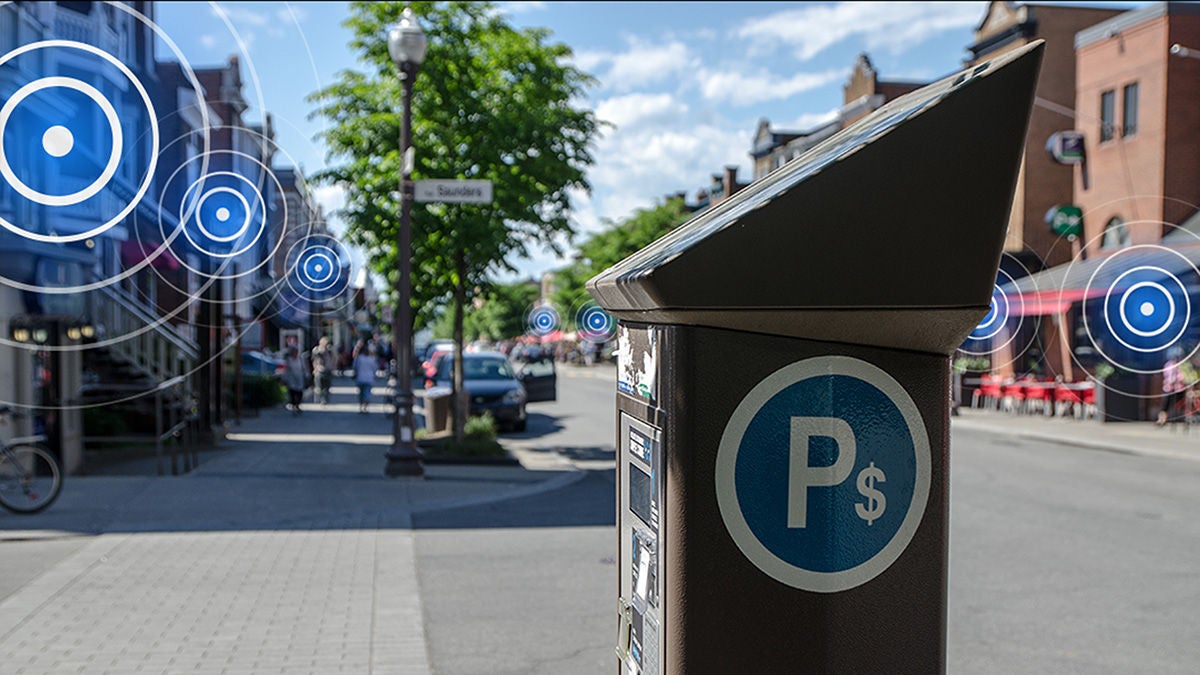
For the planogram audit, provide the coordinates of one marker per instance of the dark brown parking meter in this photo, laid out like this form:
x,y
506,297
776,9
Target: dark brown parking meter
x,y
783,393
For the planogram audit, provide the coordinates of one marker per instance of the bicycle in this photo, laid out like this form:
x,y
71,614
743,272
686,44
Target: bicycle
x,y
30,477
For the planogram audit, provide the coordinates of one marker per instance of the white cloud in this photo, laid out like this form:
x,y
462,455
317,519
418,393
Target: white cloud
x,y
208,40
634,108
894,26
809,121
329,197
641,64
741,89
514,8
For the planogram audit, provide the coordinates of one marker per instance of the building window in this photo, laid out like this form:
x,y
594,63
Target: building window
x,y
1108,109
1129,116
1116,234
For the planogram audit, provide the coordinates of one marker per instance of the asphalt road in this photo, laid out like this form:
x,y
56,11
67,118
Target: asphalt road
x,y
1063,559
527,586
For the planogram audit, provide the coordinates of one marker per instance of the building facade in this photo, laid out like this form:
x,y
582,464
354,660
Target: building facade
x,y
1137,106
1042,183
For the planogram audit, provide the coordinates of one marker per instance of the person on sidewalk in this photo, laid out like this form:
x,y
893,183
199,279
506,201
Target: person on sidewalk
x,y
364,374
324,361
295,378
1173,386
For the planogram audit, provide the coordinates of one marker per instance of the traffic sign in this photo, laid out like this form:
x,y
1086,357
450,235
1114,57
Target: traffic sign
x,y
823,473
453,191
1065,220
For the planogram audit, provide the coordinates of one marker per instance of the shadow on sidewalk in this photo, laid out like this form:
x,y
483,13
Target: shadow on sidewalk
x,y
321,469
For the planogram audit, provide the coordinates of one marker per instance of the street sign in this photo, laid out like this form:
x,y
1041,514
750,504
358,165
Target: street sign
x,y
823,473
1065,220
454,191
1066,147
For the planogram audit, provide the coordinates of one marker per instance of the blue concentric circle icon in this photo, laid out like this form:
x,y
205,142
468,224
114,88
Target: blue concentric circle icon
x,y
1004,324
1142,312
319,271
218,219
594,324
993,322
57,141
543,320
1139,305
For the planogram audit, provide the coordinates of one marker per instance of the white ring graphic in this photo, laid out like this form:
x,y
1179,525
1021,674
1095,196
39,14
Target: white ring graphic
x,y
318,284
1125,296
151,114
187,213
995,315
1087,325
114,157
1147,308
245,208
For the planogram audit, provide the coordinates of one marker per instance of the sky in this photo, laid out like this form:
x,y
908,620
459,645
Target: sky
x,y
684,83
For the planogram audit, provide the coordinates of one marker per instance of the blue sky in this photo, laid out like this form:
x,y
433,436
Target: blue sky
x,y
685,82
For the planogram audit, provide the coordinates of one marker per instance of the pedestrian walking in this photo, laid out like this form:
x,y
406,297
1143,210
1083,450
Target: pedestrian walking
x,y
1174,386
295,378
364,374
324,361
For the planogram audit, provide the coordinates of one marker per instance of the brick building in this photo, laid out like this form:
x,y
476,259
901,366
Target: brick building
x,y
1137,107
1042,184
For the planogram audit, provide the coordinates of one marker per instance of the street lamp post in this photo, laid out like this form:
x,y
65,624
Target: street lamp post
x,y
1179,50
406,45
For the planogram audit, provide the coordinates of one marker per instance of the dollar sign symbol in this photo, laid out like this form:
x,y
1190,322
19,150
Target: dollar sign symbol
x,y
876,502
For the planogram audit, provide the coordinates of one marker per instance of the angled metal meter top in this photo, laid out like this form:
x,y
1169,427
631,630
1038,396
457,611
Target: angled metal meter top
x,y
888,233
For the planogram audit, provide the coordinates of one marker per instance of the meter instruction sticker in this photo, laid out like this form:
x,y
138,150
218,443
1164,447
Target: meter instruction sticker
x,y
823,473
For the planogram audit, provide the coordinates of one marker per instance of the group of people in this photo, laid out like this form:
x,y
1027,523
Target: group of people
x,y
316,369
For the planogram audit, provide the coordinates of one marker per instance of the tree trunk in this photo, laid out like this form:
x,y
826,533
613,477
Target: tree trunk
x,y
461,407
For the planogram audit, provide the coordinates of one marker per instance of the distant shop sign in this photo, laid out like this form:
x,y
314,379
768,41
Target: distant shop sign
x,y
1066,147
1065,220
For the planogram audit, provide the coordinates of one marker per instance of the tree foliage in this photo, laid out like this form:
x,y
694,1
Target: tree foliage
x,y
499,313
490,102
612,245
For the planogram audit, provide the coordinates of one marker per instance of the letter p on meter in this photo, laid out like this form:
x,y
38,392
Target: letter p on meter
x,y
801,476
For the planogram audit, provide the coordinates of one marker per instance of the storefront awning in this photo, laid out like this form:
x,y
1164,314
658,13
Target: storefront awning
x,y
134,252
1055,290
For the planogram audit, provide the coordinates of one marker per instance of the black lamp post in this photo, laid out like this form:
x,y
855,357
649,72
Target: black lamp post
x,y
406,45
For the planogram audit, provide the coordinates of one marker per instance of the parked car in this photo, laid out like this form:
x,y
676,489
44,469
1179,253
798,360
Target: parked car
x,y
540,379
258,363
435,358
491,385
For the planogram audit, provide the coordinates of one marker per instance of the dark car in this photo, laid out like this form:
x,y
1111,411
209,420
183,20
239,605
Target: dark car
x,y
491,386
257,363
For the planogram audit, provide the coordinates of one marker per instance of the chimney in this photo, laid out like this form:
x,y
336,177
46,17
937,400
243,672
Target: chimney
x,y
730,183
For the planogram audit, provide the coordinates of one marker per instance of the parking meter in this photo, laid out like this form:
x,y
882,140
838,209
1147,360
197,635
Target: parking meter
x,y
783,393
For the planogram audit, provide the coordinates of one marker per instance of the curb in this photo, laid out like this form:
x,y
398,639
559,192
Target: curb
x,y
1120,449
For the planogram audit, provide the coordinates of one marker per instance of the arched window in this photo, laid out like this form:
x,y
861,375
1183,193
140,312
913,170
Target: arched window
x,y
1116,234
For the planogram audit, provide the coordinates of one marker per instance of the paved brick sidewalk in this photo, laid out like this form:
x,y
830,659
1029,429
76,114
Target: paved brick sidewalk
x,y
287,551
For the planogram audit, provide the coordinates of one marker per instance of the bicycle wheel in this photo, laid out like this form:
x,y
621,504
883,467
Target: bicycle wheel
x,y
30,479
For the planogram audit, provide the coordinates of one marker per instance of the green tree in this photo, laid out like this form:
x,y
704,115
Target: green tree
x,y
612,245
490,102
499,312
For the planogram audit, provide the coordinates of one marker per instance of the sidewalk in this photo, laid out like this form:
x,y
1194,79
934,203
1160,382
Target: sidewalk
x,y
287,550
1134,438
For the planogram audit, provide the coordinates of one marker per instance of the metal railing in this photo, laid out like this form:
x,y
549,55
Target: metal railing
x,y
133,332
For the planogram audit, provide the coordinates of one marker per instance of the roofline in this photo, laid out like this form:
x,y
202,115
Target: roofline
x,y
1131,18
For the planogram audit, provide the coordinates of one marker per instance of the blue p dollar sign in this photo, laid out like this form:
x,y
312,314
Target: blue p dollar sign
x,y
876,502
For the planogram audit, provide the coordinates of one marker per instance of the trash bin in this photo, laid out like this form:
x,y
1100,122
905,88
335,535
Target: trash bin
x,y
783,417
437,409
